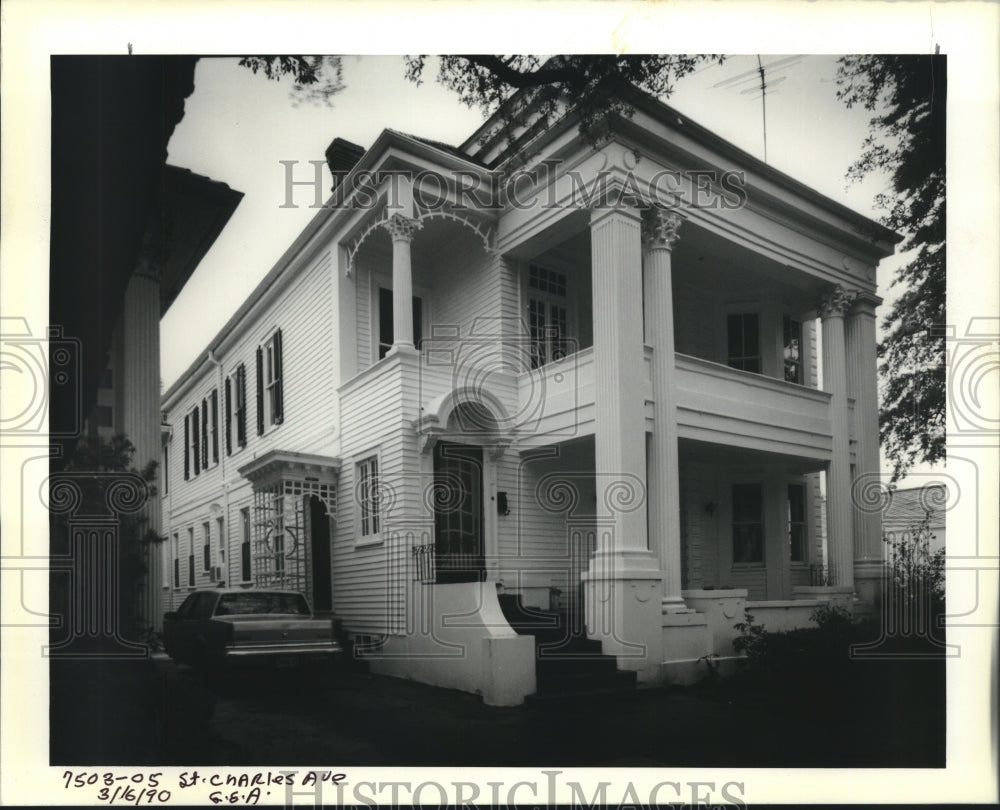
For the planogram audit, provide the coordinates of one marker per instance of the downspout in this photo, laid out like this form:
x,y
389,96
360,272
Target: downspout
x,y
222,459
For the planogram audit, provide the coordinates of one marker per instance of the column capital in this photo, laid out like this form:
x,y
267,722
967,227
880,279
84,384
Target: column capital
x,y
865,304
835,302
600,212
660,228
402,228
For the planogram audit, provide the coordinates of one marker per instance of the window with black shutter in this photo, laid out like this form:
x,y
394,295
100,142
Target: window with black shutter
x,y
260,391
228,396
270,384
215,426
204,434
195,441
277,383
241,405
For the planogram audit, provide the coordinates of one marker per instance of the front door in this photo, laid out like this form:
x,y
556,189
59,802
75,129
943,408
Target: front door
x,y
458,513
319,525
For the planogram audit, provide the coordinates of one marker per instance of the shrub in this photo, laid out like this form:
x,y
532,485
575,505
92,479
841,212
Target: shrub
x,y
914,578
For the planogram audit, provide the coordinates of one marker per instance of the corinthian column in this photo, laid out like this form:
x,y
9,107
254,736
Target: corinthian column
x,y
832,307
660,234
402,230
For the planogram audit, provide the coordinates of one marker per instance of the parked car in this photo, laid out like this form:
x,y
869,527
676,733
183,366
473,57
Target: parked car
x,y
246,627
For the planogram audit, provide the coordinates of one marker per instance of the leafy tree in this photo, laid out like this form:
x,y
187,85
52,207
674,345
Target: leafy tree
x,y
906,140
596,84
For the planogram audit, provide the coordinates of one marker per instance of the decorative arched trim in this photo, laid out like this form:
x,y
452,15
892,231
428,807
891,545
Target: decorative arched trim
x,y
438,412
485,233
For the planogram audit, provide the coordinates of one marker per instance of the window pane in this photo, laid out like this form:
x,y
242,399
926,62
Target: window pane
x,y
748,528
746,502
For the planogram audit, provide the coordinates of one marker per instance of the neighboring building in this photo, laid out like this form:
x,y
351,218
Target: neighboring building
x,y
189,214
434,402
917,511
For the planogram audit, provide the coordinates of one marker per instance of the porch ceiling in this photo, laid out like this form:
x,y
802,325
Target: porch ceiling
x,y
736,458
725,265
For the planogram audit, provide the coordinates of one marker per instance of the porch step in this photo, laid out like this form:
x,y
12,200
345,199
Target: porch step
x,y
567,665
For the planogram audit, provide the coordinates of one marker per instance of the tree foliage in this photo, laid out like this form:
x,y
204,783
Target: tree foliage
x,y
315,78
591,85
906,140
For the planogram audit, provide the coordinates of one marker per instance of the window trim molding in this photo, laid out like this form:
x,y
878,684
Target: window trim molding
x,y
270,382
375,538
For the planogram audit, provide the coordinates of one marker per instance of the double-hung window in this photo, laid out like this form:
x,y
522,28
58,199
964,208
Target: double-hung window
x,y
792,349
743,341
367,496
206,530
236,409
548,315
797,522
748,524
270,383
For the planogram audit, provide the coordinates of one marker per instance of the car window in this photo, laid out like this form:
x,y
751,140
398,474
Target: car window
x,y
203,605
262,602
183,612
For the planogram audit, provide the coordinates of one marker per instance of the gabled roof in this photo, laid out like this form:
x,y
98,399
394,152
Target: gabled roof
x,y
913,505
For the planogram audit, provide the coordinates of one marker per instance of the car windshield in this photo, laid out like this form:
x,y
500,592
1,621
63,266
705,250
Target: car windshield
x,y
262,602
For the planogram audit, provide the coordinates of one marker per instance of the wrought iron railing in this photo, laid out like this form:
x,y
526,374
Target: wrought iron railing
x,y
423,564
820,575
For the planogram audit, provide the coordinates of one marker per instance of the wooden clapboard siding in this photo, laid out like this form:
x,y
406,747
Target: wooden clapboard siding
x,y
694,309
465,295
305,314
365,580
545,540
754,579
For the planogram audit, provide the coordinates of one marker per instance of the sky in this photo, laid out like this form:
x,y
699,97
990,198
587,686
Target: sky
x,y
237,126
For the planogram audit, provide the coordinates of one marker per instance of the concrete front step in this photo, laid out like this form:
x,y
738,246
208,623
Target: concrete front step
x,y
566,665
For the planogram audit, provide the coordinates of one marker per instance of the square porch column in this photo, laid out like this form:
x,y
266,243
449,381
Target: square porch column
x,y
832,308
623,584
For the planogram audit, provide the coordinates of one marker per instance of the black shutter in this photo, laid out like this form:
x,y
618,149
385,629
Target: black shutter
x,y
195,443
384,321
260,391
215,425
204,434
229,418
191,568
241,406
187,459
418,321
279,384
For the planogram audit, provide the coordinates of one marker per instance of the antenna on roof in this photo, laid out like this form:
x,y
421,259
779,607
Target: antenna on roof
x,y
760,72
763,105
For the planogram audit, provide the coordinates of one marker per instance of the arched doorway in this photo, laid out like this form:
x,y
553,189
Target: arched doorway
x,y
319,542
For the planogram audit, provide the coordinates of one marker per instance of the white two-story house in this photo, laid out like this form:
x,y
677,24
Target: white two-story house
x,y
628,389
